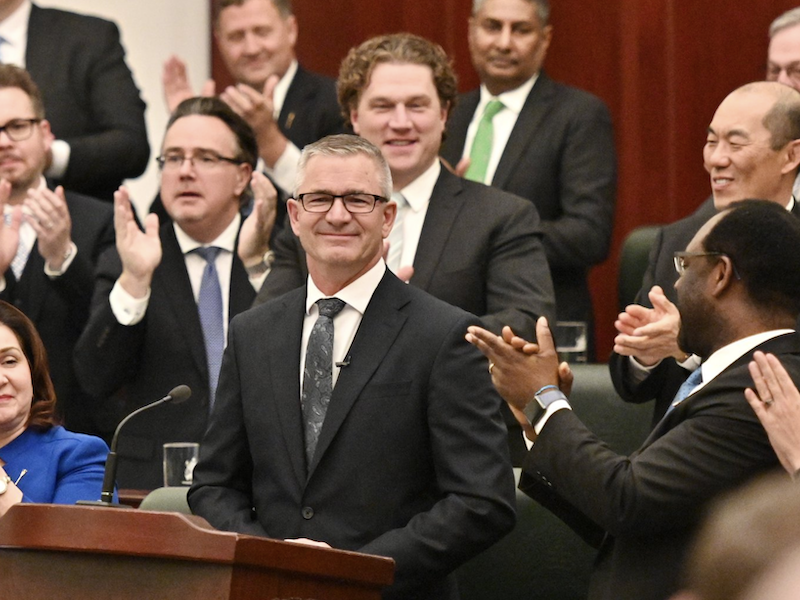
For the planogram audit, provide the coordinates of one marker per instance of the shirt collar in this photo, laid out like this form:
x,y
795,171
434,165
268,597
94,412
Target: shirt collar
x,y
513,100
357,294
282,88
418,193
727,355
14,29
226,240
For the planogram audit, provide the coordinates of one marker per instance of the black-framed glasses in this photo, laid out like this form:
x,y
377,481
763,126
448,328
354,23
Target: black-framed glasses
x,y
356,203
201,160
19,129
679,259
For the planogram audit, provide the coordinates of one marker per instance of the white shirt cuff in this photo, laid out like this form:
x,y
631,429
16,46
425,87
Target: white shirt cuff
x,y
285,169
127,309
60,151
638,372
551,410
53,273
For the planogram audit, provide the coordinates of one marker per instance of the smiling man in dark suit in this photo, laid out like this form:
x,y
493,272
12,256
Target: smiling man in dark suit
x,y
351,412
286,105
92,103
544,141
47,259
738,291
466,243
752,150
163,301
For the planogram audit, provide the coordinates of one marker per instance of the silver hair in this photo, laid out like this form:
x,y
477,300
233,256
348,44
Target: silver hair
x,y
542,9
788,19
344,145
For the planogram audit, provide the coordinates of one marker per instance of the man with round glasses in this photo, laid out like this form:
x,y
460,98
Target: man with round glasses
x,y
50,241
162,304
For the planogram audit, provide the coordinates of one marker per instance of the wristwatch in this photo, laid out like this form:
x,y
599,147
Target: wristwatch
x,y
4,481
536,408
262,267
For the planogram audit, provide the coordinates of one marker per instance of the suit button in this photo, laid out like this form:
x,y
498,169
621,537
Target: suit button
x,y
308,513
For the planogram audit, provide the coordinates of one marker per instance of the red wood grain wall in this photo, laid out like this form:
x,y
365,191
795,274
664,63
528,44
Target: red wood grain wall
x,y
661,65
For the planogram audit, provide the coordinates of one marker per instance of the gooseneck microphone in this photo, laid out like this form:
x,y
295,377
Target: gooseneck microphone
x,y
177,395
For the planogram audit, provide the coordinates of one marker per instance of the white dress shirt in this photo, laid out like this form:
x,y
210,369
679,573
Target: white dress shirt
x,y
503,122
418,195
356,296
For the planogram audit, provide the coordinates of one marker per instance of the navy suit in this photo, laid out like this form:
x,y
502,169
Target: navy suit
x,y
90,98
643,510
59,307
125,367
411,461
561,157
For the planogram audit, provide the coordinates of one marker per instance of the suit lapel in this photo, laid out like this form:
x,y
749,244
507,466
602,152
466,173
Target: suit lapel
x,y
298,96
458,125
443,211
284,360
783,344
379,328
32,286
178,293
534,111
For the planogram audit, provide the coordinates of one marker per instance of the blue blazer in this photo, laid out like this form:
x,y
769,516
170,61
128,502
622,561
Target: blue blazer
x,y
62,467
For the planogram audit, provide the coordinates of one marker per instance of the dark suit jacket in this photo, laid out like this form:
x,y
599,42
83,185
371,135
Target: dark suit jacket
x,y
480,249
90,98
127,367
311,110
411,461
663,383
59,308
647,505
561,157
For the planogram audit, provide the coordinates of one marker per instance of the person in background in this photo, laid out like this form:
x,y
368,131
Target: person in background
x,y
286,105
40,461
539,139
93,105
162,302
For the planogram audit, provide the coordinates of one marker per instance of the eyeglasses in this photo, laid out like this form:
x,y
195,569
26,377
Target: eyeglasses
x,y
201,160
679,259
19,129
792,71
356,204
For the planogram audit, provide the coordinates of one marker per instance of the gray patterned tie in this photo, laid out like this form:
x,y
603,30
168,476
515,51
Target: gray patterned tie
x,y
318,372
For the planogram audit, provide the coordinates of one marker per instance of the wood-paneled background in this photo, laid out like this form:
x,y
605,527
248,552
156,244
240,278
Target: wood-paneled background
x,y
662,66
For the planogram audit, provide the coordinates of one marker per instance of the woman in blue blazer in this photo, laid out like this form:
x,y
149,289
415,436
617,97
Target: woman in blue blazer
x,y
40,461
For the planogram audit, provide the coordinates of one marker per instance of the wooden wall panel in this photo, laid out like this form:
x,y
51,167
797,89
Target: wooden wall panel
x,y
661,65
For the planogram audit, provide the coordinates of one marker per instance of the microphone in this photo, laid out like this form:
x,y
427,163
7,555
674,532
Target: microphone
x,y
344,363
177,395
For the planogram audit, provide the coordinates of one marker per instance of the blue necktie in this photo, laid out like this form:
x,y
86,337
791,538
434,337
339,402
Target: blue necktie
x,y
318,372
209,306
695,379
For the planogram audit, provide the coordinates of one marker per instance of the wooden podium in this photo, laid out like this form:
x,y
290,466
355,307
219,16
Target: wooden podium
x,y
82,552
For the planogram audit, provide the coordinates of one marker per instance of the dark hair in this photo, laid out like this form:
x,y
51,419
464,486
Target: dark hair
x,y
212,106
762,240
542,9
43,406
284,7
15,77
400,48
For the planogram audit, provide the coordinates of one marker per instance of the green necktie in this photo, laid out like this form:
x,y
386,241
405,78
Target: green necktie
x,y
482,144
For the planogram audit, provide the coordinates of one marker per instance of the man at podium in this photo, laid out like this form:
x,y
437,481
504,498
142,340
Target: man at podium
x,y
351,412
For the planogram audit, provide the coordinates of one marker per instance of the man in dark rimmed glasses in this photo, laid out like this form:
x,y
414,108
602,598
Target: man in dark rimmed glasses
x,y
752,150
351,411
738,292
163,301
50,241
